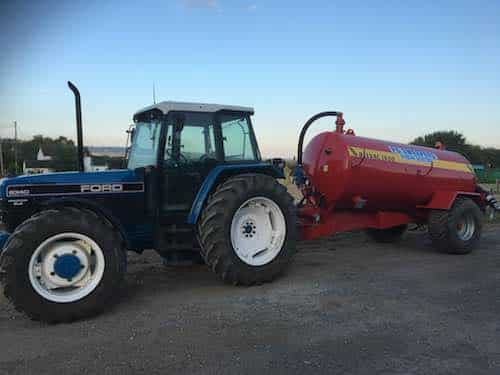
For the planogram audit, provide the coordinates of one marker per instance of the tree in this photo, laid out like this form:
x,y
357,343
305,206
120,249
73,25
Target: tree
x,y
455,141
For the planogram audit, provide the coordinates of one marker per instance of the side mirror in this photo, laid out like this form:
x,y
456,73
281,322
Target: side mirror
x,y
132,135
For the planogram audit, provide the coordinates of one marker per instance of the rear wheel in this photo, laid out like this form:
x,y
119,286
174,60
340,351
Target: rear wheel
x,y
64,264
458,230
388,235
247,230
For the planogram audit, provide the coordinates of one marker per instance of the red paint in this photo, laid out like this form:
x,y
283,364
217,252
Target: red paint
x,y
356,192
443,200
344,221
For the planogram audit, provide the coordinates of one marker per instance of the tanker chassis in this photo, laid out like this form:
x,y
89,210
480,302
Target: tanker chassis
x,y
195,186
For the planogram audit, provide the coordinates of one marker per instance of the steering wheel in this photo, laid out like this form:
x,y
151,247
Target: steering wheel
x,y
182,158
206,157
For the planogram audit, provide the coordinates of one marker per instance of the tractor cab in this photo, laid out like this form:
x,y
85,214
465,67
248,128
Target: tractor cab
x,y
183,142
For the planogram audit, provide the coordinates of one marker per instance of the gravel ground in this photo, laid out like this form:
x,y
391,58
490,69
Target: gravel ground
x,y
347,305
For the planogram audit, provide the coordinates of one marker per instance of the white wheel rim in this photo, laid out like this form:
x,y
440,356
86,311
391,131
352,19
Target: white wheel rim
x,y
466,228
66,267
258,231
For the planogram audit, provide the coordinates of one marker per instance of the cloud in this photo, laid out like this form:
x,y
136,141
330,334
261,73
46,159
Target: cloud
x,y
201,3
252,7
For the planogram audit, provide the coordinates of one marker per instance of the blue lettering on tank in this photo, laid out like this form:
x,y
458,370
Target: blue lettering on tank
x,y
412,154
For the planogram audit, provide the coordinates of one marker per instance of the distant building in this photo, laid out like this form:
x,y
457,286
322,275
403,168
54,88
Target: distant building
x,y
46,164
38,166
91,164
42,164
41,156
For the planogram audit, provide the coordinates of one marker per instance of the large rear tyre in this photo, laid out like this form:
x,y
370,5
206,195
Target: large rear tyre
x,y
247,230
388,235
63,265
458,230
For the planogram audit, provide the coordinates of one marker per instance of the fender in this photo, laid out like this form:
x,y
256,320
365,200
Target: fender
x,y
222,172
443,200
88,204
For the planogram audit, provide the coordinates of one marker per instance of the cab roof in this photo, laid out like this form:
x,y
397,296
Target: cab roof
x,y
167,106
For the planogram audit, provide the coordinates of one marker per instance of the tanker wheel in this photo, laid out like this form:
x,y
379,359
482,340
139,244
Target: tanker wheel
x,y
247,230
63,264
458,230
388,235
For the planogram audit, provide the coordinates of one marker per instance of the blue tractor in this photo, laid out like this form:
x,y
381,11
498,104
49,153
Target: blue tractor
x,y
194,181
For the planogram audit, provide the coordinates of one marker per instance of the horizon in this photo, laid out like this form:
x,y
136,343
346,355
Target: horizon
x,y
396,71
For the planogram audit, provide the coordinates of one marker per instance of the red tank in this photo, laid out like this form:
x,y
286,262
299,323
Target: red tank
x,y
372,175
352,183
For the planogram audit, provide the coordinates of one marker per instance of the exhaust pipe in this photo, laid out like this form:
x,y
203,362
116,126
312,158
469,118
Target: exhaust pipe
x,y
299,176
79,133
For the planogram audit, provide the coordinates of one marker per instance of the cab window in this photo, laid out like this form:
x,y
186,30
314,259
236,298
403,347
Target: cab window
x,y
190,138
143,151
236,137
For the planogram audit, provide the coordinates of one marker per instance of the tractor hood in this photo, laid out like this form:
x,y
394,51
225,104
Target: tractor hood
x,y
25,182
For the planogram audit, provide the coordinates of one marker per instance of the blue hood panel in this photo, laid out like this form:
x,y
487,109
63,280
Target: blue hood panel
x,y
115,176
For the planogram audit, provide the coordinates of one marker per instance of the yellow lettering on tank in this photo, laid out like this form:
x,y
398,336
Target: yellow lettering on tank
x,y
394,157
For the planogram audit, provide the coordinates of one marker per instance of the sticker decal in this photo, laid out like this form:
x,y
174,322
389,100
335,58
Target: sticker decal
x,y
74,189
403,155
412,154
101,188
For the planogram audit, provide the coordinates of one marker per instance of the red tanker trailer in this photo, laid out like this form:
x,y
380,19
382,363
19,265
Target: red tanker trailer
x,y
350,182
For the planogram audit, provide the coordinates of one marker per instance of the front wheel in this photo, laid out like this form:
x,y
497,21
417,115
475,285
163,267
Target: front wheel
x,y
247,229
458,230
62,265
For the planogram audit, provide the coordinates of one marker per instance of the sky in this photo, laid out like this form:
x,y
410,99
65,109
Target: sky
x,y
397,69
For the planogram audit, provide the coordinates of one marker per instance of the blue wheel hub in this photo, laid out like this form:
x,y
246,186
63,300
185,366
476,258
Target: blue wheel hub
x,y
67,266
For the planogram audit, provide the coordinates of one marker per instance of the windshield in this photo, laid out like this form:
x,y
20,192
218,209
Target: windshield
x,y
144,148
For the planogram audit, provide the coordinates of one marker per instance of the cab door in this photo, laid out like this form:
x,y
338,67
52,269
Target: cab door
x,y
191,152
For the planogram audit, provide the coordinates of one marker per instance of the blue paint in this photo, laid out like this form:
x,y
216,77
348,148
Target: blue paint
x,y
4,236
414,154
67,266
211,179
126,209
115,176
299,177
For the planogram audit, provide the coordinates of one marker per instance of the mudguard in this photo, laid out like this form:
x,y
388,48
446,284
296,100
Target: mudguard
x,y
222,172
443,200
